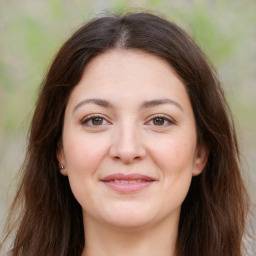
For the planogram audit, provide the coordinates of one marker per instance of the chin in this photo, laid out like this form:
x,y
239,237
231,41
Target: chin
x,y
129,223
130,218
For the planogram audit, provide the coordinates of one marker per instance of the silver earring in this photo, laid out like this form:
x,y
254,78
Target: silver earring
x,y
61,167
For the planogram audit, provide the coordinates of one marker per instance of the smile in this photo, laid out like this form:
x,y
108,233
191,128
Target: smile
x,y
127,183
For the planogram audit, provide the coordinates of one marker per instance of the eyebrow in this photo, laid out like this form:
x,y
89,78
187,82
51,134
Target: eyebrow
x,y
157,102
99,102
145,104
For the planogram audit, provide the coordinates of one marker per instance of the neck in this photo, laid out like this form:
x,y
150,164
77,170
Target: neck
x,y
103,240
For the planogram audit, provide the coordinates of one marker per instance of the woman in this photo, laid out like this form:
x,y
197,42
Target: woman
x,y
132,149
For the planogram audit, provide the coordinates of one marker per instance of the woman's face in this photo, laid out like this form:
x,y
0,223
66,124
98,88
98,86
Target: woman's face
x,y
129,142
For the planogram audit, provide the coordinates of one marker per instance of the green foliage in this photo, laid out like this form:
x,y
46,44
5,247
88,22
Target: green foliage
x,y
32,32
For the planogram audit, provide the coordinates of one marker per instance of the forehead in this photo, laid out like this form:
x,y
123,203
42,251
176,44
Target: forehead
x,y
128,61
121,75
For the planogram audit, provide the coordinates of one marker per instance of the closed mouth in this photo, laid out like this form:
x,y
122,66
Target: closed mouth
x,y
127,183
134,177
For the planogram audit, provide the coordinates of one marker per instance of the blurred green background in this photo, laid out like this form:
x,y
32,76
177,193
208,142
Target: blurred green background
x,y
31,31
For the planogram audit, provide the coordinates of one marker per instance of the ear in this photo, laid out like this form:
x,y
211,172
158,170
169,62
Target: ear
x,y
61,159
200,159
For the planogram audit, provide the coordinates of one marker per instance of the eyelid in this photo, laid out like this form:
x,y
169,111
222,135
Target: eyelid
x,y
170,120
86,119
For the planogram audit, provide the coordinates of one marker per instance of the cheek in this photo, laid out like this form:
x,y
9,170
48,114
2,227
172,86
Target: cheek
x,y
83,154
83,157
175,159
175,155
177,165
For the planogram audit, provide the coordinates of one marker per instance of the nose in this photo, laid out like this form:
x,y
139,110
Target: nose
x,y
128,145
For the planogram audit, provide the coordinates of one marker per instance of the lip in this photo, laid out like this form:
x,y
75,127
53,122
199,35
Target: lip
x,y
127,183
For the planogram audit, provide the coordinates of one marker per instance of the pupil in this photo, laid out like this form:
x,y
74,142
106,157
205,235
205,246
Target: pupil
x,y
97,121
159,121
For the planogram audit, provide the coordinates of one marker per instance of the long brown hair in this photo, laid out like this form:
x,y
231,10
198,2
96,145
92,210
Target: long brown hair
x,y
213,215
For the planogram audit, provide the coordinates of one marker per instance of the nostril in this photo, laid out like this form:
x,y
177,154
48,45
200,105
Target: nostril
x,y
127,150
126,158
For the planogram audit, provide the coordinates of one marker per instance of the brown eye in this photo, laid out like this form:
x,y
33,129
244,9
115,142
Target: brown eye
x,y
92,121
159,121
97,121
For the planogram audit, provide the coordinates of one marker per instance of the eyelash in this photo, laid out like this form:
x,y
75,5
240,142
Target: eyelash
x,y
90,118
168,121
87,121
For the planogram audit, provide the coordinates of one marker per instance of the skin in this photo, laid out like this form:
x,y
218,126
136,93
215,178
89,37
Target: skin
x,y
130,136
